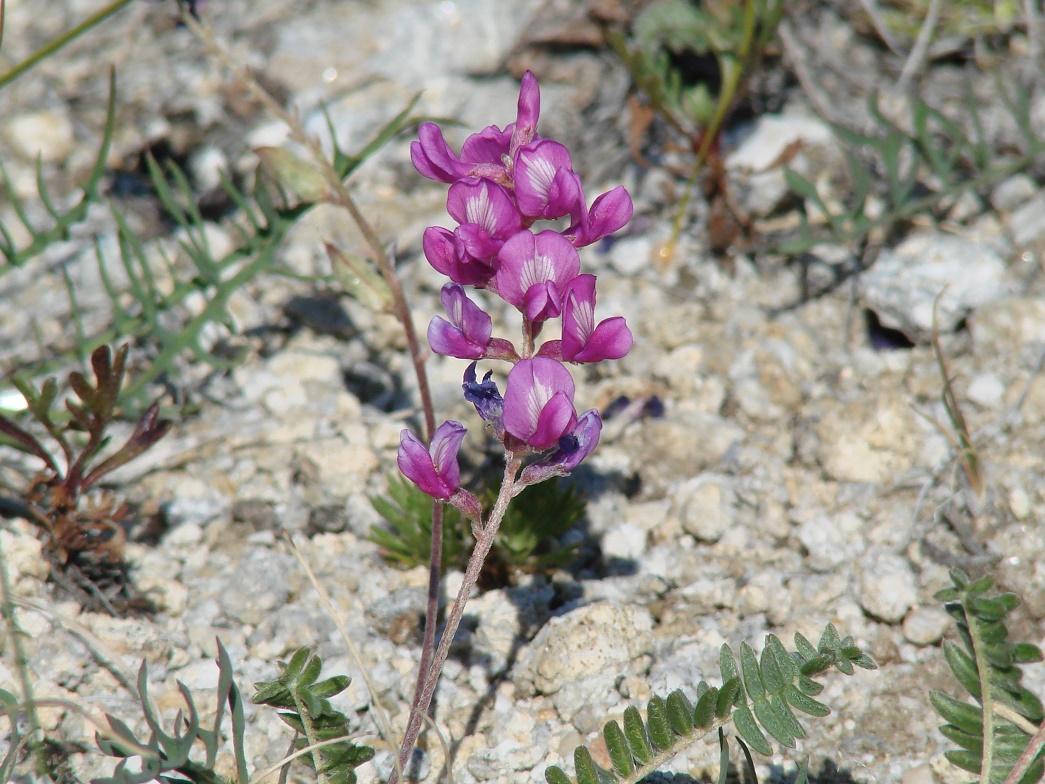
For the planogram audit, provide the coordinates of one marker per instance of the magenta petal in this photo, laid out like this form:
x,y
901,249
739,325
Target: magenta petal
x,y
531,386
432,156
448,340
487,146
611,340
441,249
574,447
485,204
578,316
536,168
556,418
477,243
529,109
608,213
415,461
528,261
445,445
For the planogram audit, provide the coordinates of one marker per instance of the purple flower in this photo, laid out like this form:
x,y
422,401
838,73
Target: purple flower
x,y
582,341
609,212
447,255
538,402
534,272
434,469
482,154
574,447
468,331
487,214
545,184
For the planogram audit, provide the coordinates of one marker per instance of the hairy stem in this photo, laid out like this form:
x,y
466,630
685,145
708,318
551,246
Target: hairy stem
x,y
313,740
53,46
983,672
453,621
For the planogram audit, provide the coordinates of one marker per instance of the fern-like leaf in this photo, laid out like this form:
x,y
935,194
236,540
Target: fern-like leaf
x,y
757,697
986,665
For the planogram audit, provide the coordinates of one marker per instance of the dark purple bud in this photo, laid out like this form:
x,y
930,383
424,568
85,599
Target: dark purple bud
x,y
484,396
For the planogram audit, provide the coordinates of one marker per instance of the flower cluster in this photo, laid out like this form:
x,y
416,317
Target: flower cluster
x,y
501,184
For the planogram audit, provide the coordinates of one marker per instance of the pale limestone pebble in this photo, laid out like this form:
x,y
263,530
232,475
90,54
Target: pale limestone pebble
x,y
346,461
765,592
705,505
131,638
47,133
868,440
767,378
925,625
258,585
756,165
169,595
904,286
584,641
887,585
1027,222
624,541
1013,191
986,390
684,370
647,515
680,445
831,540
23,556
1019,503
706,595
919,774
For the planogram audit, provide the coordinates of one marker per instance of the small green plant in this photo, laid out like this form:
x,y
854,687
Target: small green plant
x,y
732,36
758,696
902,170
1002,736
55,499
543,513
303,704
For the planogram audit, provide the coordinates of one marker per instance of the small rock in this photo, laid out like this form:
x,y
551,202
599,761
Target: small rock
x,y
1011,193
1027,224
832,540
925,625
625,541
705,506
903,285
919,774
585,641
48,134
986,390
867,440
888,588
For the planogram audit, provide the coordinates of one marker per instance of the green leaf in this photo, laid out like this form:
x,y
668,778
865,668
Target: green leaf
x,y
704,712
659,726
732,693
617,746
747,728
680,713
963,668
961,714
556,775
805,703
587,770
752,677
635,731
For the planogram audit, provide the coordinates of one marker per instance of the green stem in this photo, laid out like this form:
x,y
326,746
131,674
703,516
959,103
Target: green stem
x,y
7,610
53,46
310,734
714,127
983,672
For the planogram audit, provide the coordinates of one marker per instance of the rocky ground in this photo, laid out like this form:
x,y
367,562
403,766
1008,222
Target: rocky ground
x,y
795,477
